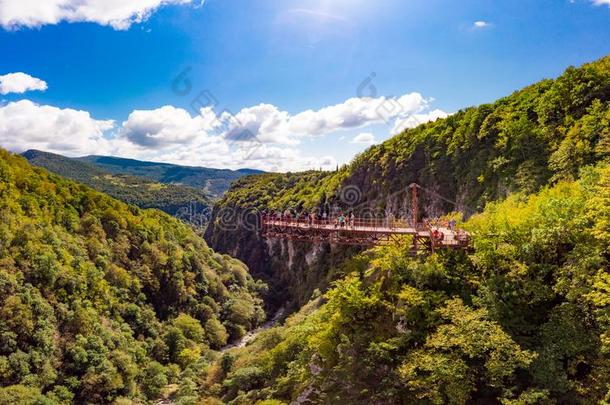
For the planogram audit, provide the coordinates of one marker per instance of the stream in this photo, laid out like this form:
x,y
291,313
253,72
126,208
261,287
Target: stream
x,y
247,338
251,335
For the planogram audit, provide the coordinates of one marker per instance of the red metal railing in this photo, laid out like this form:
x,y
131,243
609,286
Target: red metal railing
x,y
439,233
338,222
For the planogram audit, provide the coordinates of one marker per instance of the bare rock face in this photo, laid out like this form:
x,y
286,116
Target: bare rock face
x,y
292,269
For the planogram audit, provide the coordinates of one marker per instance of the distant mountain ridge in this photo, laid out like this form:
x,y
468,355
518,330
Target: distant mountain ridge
x,y
214,182
174,199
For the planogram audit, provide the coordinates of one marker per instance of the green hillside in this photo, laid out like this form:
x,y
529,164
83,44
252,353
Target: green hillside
x,y
188,203
101,300
524,320
540,134
214,182
534,137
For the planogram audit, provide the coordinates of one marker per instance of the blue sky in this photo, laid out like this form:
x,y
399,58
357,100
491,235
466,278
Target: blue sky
x,y
291,75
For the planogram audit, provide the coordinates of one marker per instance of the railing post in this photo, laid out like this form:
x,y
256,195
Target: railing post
x,y
414,204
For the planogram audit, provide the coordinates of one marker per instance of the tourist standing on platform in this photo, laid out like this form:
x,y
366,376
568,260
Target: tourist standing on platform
x,y
391,220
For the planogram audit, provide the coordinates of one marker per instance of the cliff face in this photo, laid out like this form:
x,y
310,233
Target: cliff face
x,y
536,136
293,270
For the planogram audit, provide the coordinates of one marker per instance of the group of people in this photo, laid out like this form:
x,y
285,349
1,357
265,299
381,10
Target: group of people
x,y
348,220
313,218
339,220
455,233
342,220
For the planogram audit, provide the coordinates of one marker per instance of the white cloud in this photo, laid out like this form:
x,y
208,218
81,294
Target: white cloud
x,y
262,136
119,14
268,124
20,82
26,125
265,122
418,119
601,2
166,126
481,24
364,138
275,158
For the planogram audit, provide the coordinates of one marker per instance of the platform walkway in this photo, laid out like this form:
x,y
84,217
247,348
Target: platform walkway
x,y
364,232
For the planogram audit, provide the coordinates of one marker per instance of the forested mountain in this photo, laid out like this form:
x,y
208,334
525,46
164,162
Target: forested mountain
x,y
102,301
213,181
188,203
522,321
181,191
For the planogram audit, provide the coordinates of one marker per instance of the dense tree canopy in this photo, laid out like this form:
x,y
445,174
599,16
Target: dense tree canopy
x,y
523,320
100,300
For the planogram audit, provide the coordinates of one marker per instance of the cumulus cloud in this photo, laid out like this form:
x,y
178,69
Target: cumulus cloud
x,y
166,126
20,82
261,137
119,14
264,122
170,134
267,123
417,119
355,113
27,125
280,159
482,24
601,2
365,138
